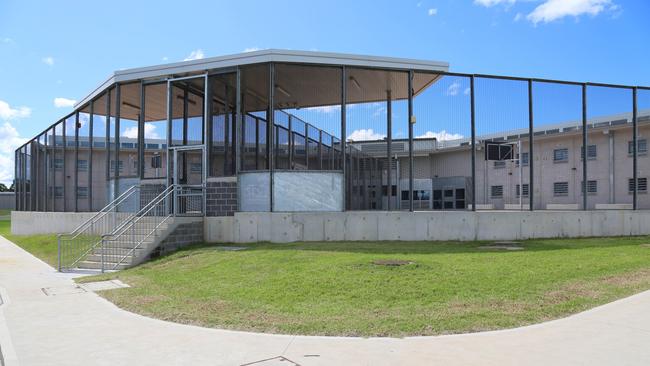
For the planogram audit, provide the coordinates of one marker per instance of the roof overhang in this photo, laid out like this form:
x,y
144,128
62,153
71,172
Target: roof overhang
x,y
263,56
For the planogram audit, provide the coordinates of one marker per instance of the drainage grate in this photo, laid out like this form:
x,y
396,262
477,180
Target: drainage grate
x,y
103,285
230,249
391,262
63,290
275,361
503,245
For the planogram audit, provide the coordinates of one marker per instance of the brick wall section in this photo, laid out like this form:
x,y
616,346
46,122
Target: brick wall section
x,y
221,198
184,235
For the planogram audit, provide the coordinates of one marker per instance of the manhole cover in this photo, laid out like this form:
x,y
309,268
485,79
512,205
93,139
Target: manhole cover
x,y
391,262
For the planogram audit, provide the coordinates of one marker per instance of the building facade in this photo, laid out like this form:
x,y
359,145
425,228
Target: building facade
x,y
306,131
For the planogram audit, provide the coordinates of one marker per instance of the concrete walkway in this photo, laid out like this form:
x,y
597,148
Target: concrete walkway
x,y
81,328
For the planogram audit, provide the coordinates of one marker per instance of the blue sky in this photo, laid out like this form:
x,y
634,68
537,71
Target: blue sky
x,y
52,53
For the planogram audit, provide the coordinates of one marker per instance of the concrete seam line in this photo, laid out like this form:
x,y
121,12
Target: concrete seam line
x,y
7,352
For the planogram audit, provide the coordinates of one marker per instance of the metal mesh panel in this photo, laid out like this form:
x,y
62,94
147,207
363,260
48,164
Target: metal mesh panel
x,y
609,129
223,108
100,154
442,164
557,110
501,118
643,133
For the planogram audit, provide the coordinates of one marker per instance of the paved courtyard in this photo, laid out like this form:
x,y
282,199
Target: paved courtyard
x,y
46,320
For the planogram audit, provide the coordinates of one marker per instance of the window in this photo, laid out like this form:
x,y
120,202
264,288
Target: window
x,y
58,163
524,159
120,165
82,165
82,192
499,164
592,152
642,185
405,195
561,189
592,186
642,147
525,190
496,191
58,191
560,155
156,161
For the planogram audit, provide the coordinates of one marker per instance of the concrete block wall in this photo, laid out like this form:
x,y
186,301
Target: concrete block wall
x,y
183,235
221,196
248,227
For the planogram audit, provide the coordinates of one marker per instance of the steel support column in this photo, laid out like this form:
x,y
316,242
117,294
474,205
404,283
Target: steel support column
x,y
389,148
584,145
531,161
343,133
634,148
271,129
472,117
411,122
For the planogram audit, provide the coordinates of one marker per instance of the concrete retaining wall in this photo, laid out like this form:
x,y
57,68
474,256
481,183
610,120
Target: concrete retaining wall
x,y
30,223
448,225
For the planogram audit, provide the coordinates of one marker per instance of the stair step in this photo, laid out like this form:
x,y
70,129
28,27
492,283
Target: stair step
x,y
109,258
98,265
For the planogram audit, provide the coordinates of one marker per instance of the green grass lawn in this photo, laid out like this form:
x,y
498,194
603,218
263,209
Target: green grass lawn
x,y
42,246
334,289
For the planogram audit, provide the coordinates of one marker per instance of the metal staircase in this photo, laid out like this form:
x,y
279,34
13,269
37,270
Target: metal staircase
x,y
124,233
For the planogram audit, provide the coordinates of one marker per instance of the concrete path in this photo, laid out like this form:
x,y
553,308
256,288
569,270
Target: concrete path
x,y
81,328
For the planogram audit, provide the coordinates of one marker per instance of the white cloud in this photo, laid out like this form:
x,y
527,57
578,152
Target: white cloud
x,y
440,136
518,17
489,3
419,4
251,49
6,40
149,132
195,55
9,113
165,58
325,109
453,89
10,140
552,10
364,135
49,60
64,102
466,91
432,11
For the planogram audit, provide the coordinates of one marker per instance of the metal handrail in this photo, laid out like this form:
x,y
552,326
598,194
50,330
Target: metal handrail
x,y
85,228
136,218
101,213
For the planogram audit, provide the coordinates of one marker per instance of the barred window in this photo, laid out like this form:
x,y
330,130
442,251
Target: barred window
x,y
496,191
560,155
592,152
82,192
525,190
641,147
560,188
82,165
592,186
642,185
